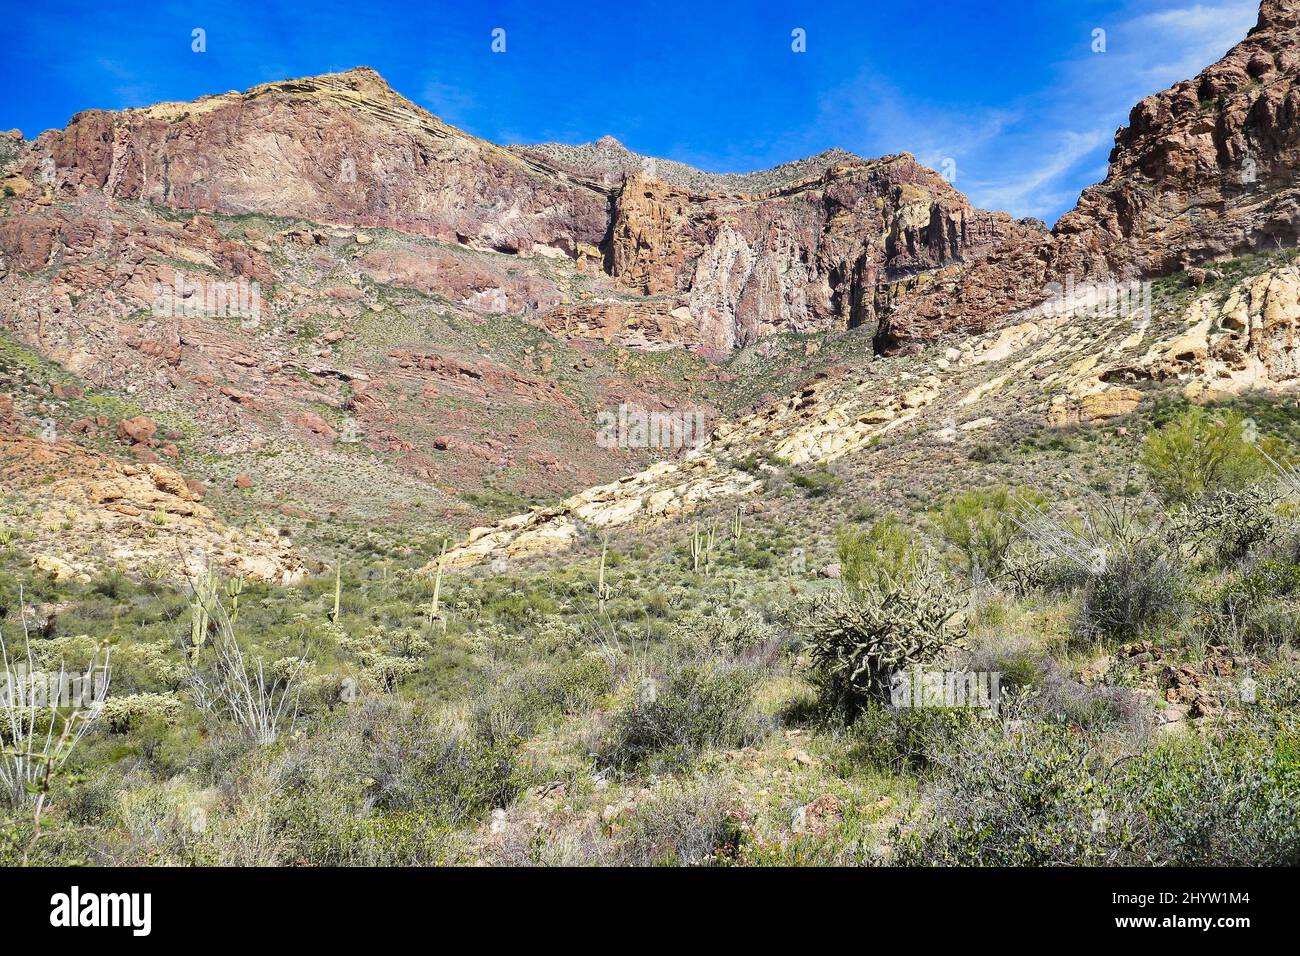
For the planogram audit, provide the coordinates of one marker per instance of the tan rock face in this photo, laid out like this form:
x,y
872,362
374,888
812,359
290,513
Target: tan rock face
x,y
100,512
1248,340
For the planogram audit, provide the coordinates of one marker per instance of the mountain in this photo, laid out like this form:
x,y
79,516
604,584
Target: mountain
x,y
462,313
815,244
1204,170
450,503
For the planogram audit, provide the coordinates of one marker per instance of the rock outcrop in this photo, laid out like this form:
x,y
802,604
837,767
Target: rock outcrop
x,y
83,511
822,243
1204,170
813,255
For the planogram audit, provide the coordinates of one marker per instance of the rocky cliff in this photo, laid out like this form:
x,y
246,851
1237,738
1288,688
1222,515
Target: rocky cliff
x,y
815,254
816,244
1204,170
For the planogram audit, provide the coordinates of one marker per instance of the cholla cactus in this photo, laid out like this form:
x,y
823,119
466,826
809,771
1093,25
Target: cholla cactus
x,y
1228,521
856,643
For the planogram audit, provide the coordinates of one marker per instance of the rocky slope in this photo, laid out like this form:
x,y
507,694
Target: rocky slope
x,y
807,245
1204,170
1055,367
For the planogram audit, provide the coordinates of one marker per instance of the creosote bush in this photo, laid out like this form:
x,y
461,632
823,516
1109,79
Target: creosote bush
x,y
1139,587
699,707
981,526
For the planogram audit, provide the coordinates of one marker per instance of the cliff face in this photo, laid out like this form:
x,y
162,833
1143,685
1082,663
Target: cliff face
x,y
1207,168
340,149
1204,170
812,255
805,246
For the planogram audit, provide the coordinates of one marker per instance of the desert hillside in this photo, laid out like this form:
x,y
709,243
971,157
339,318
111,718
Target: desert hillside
x,y
425,500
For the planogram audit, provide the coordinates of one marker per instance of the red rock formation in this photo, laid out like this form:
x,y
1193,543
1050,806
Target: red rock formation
x,y
339,148
806,253
1207,169
809,255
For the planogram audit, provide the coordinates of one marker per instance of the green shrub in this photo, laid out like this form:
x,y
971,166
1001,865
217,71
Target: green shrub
x,y
816,483
981,525
1201,452
689,824
701,706
1018,792
886,548
1141,586
903,739
1258,608
1225,801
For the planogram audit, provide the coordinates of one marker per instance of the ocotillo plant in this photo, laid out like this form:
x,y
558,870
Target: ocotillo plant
x,y
735,531
43,714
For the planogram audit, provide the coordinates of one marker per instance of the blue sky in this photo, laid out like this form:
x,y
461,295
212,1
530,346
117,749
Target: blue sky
x,y
1010,92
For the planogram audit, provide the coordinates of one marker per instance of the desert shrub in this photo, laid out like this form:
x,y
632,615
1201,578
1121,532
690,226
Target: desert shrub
x,y
384,769
515,704
1222,801
981,526
449,771
1019,791
886,548
158,826
1140,586
1226,522
1200,452
700,706
902,739
122,712
1258,608
686,824
856,643
93,800
816,483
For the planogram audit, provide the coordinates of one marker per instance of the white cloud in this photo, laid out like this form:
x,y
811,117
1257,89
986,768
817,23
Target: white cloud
x,y
1034,156
1036,191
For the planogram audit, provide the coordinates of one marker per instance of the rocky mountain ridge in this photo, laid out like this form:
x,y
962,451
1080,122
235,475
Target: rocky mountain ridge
x,y
1205,170
808,245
